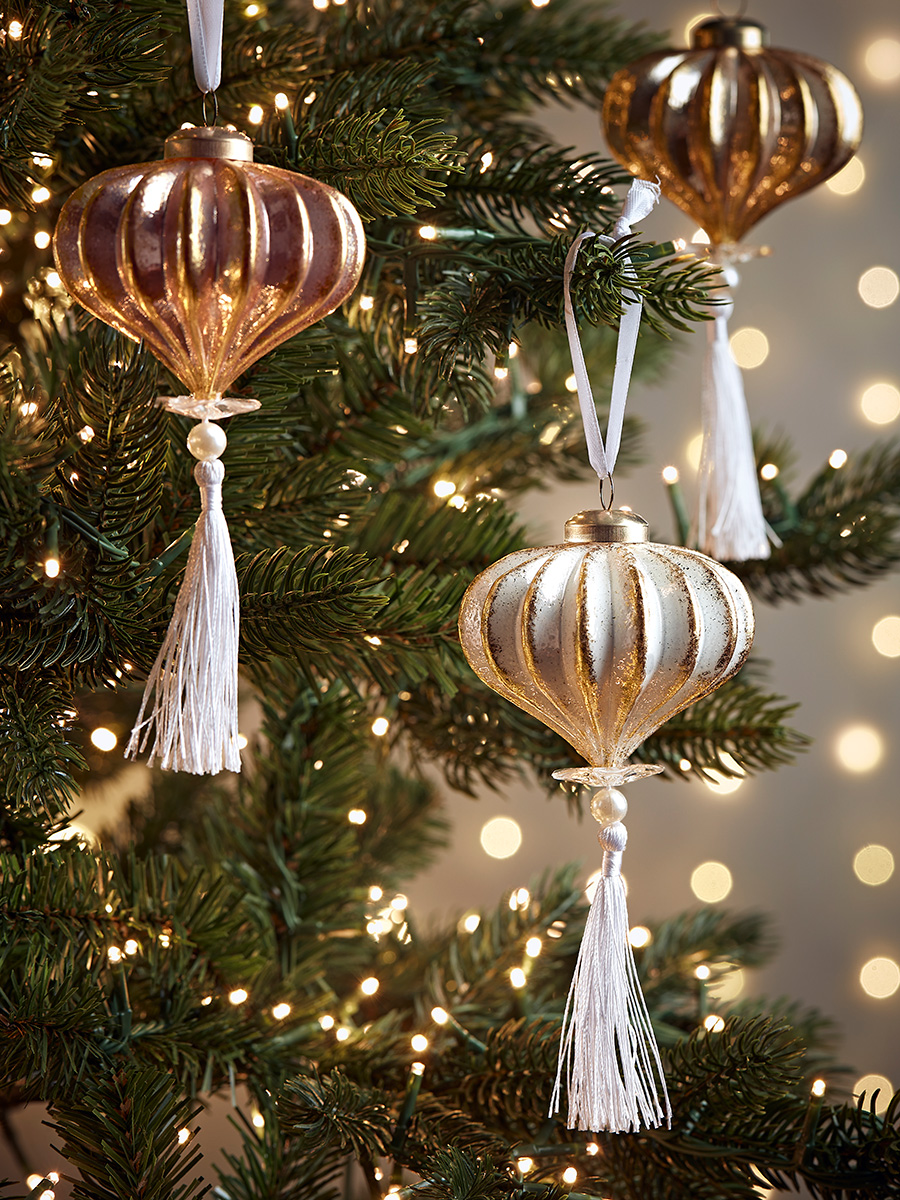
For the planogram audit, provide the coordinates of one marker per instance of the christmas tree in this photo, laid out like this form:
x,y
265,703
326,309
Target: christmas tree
x,y
248,936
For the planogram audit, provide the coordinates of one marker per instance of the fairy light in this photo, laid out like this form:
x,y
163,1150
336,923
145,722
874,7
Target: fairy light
x,y
255,115
500,837
859,748
501,372
713,1023
86,433
700,238
886,636
670,474
51,567
517,977
458,501
880,977
410,345
439,1015
165,940
326,1021
5,216
570,1174
252,10
114,954
318,764
443,488
519,898
375,892
749,347
380,726
242,741
702,972
711,882
103,738
525,1165
367,303
40,194
818,1087
837,459
571,383
369,986
259,1121
132,946
471,922
342,1034
768,471
873,865
427,232
870,1084
848,180
282,103
878,287
486,159
419,1042
357,816
882,59
238,996
42,239
880,403
206,1001
639,936
400,902
280,1011
592,1148
14,29
533,947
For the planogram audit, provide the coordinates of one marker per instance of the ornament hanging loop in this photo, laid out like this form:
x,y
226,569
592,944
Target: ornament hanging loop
x,y
601,487
213,100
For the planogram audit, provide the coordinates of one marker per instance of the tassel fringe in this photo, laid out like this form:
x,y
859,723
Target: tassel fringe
x,y
194,681
731,525
608,1051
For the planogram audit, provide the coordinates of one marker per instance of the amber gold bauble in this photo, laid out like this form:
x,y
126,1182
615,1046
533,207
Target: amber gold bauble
x,y
605,637
731,127
210,258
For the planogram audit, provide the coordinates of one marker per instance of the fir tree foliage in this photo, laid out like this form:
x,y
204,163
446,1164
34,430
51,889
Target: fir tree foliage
x,y
216,938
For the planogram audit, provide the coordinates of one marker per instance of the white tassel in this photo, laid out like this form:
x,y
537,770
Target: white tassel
x,y
731,525
195,676
613,1073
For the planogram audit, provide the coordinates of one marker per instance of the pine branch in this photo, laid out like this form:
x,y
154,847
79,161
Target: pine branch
x,y
37,758
324,1112
273,1168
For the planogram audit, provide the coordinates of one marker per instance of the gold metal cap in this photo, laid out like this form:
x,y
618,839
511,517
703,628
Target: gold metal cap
x,y
602,525
729,31
209,141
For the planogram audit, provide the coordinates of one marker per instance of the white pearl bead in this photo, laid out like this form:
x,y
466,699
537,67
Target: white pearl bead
x,y
206,441
608,806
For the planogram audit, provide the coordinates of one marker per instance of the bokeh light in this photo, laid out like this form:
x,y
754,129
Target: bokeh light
x,y
749,347
873,864
859,748
874,1083
886,636
726,987
501,837
880,977
848,180
880,403
883,59
711,881
104,739
693,451
879,287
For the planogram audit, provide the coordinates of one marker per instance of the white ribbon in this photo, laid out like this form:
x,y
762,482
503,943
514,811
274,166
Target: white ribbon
x,y
639,202
205,19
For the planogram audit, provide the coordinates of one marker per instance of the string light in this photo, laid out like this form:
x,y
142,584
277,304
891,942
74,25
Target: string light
x,y
439,1015
252,10
443,488
375,892
486,159
713,1023
570,1174
419,1042
342,1034
471,922
51,567
880,977
571,383
711,882
165,940
768,471
749,347
859,748
670,474
837,459
5,216
870,1084
14,29
238,996
533,947
882,59
525,1165
367,303
206,1001
40,194
639,936
702,972
399,902
878,287
848,180
428,233
356,816
380,726
873,865
104,739
517,977
184,1135
592,1148
410,345
280,1011
520,898
880,403
501,837
255,115
886,636
369,986
700,238
327,1022
42,239
132,946
114,954
259,1121
818,1087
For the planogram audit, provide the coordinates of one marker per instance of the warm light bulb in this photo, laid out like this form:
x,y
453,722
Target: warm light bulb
x,y
880,977
818,1087
525,1165
714,1023
342,1034
702,972
42,239
639,936
5,216
711,881
367,303
281,101
51,567
356,816
410,345
471,922
879,287
501,372
837,459
873,865
570,1174
439,1015
132,946
517,977
369,986
427,232
533,947
880,403
419,1042
238,996
40,194
104,739
859,748
768,471
375,892
380,726
749,347
848,180
443,488
886,636
258,1120
501,837
280,1011
670,474
114,954
14,29
326,1022
255,115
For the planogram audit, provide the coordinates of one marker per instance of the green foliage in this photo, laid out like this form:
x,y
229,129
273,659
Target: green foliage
x,y
324,1112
